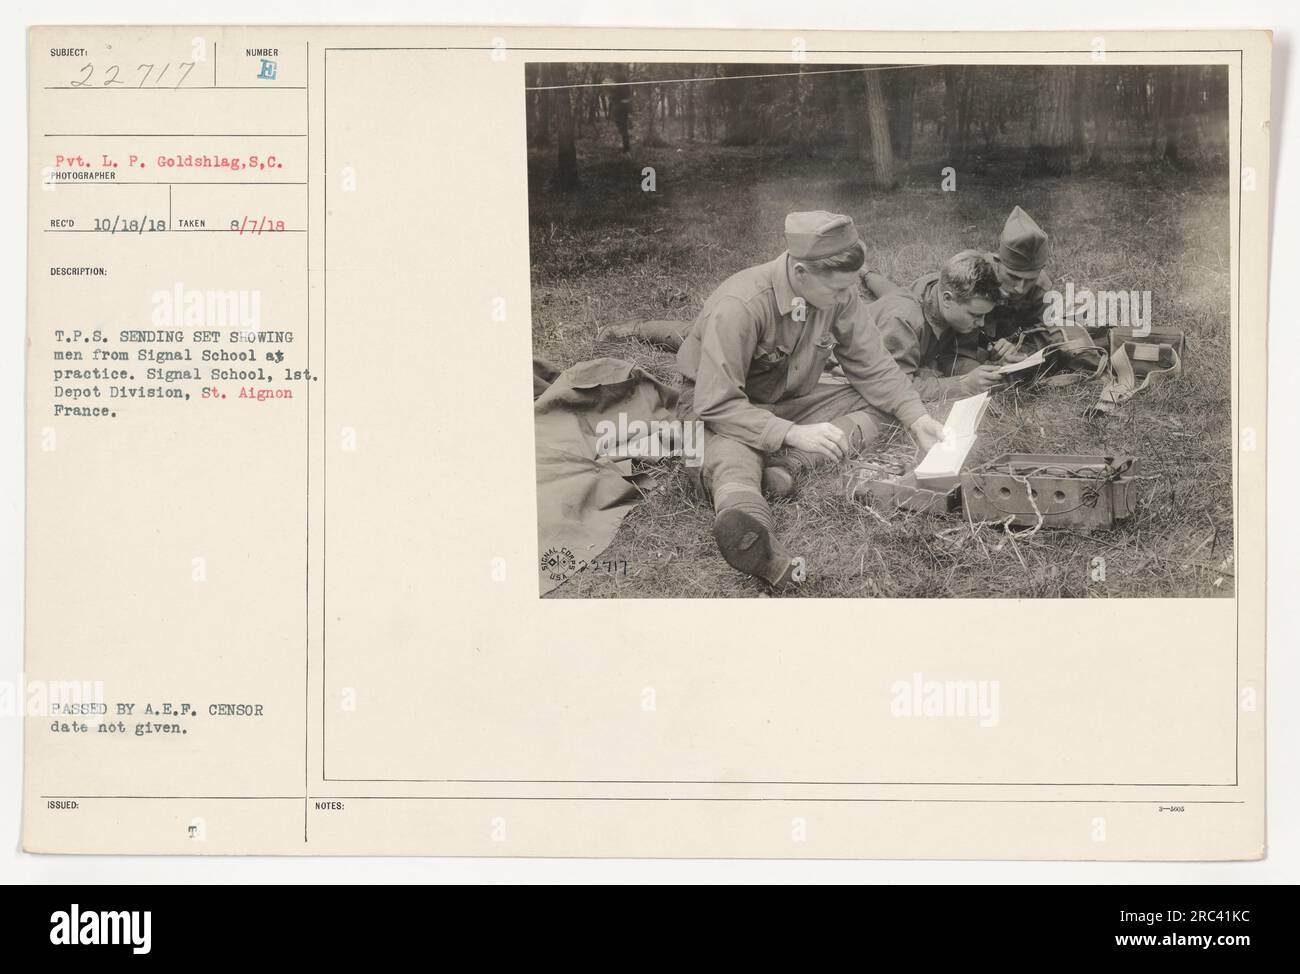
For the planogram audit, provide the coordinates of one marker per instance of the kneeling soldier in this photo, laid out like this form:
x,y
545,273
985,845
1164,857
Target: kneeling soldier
x,y
751,366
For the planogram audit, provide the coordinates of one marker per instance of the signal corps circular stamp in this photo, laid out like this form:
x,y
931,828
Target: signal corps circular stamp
x,y
559,563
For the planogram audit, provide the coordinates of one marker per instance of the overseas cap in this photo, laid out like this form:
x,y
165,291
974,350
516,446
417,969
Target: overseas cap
x,y
817,233
1023,246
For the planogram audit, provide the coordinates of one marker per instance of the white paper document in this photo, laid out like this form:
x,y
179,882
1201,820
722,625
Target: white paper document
x,y
942,464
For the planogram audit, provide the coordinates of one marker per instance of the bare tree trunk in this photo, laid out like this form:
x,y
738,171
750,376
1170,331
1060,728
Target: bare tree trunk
x,y
1049,150
690,106
621,98
850,115
652,95
882,150
740,122
965,113
541,106
710,104
593,107
901,94
958,112
1078,121
1165,109
1189,141
801,110
535,104
1103,100
566,176
951,84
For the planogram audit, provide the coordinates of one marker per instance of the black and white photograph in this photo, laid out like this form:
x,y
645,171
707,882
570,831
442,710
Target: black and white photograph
x,y
882,330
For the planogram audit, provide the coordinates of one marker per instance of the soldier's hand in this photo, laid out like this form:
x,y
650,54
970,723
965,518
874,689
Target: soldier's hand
x,y
1005,351
825,439
927,431
980,378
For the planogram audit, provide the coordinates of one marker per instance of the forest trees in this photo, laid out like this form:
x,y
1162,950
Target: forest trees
x,y
887,120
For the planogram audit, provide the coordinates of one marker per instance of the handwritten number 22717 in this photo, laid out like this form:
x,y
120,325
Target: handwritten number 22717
x,y
112,71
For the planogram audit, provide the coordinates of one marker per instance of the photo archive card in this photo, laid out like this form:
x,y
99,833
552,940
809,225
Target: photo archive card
x,y
310,571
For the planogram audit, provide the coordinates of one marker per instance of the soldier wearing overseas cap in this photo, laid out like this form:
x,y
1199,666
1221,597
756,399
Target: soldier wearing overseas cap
x,y
1022,253
1021,256
751,366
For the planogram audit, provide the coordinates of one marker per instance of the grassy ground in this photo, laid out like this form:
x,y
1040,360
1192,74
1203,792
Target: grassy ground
x,y
612,251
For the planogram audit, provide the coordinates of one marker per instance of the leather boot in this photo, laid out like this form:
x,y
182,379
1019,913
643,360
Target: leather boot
x,y
621,331
745,536
779,481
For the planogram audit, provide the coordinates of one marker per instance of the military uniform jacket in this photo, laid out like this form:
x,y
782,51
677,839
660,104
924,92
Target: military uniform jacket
x,y
1015,312
749,347
926,349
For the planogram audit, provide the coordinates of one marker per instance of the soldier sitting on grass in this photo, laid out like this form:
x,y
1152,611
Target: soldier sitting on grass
x,y
752,366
